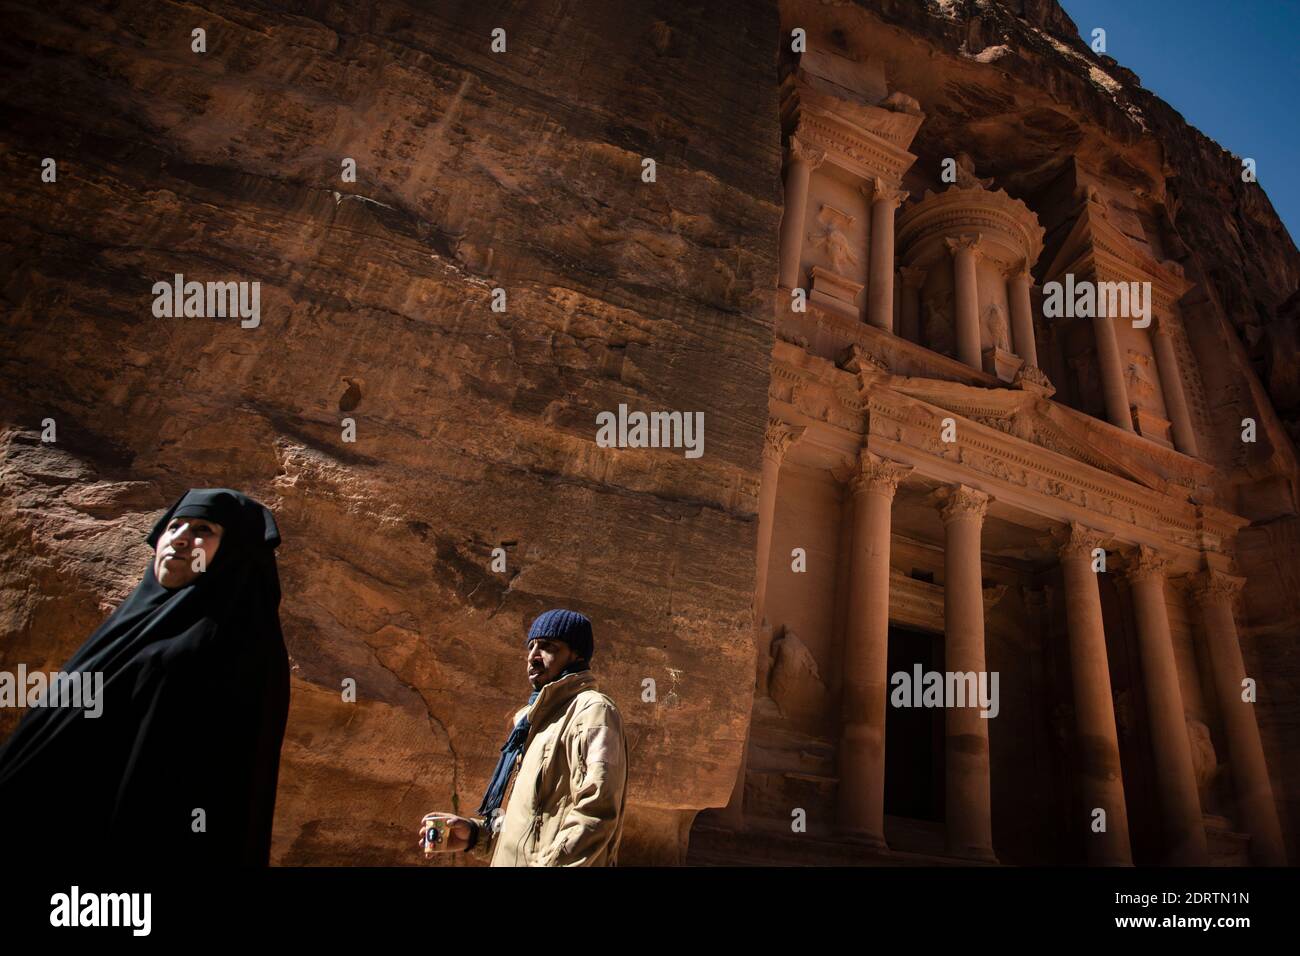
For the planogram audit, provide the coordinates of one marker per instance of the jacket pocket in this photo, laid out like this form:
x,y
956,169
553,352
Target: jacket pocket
x,y
549,833
527,849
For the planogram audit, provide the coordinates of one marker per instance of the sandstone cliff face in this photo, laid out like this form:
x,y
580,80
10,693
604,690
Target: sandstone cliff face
x,y
475,429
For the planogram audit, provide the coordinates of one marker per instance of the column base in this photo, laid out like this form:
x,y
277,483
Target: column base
x,y
982,854
861,838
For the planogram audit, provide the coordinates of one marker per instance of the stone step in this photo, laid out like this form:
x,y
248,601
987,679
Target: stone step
x,y
758,846
772,796
916,836
1228,846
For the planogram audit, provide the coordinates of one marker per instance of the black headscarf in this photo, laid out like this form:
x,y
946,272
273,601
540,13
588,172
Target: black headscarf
x,y
195,700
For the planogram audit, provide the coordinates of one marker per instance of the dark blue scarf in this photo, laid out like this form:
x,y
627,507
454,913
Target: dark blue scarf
x,y
512,748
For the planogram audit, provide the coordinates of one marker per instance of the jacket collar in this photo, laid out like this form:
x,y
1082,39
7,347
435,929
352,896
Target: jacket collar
x,y
559,692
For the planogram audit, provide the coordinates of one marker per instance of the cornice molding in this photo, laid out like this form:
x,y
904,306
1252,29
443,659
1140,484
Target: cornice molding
x,y
856,149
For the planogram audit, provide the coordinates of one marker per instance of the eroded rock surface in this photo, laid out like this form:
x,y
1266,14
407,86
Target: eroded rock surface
x,y
474,429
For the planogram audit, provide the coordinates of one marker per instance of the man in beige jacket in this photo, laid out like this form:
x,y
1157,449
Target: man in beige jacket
x,y
562,775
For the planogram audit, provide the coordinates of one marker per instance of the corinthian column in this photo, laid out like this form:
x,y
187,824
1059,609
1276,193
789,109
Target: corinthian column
x,y
1112,373
860,809
880,278
909,306
798,173
1171,383
965,249
968,805
1102,782
776,442
1022,315
1180,803
1214,592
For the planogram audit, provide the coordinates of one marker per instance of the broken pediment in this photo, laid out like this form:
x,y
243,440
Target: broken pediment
x,y
853,107
1096,247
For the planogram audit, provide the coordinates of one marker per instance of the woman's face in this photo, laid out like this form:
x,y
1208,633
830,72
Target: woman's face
x,y
185,550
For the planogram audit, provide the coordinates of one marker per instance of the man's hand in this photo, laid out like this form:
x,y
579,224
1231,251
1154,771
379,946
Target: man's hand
x,y
456,833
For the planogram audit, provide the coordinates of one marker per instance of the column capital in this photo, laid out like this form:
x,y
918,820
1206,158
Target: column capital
x,y
913,276
1146,562
778,438
1210,586
877,190
1018,270
1079,541
962,501
971,241
872,474
1159,325
802,152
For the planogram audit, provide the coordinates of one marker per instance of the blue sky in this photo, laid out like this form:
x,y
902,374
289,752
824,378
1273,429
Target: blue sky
x,y
1231,69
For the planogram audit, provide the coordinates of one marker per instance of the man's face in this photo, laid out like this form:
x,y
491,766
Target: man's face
x,y
176,560
546,658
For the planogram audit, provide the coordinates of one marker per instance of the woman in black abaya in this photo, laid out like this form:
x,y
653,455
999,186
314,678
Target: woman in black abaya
x,y
181,765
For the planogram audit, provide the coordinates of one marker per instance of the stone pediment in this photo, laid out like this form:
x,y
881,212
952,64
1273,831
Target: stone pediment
x,y
1095,247
855,94
1040,422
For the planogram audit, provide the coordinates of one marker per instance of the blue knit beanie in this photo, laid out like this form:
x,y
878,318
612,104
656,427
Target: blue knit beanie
x,y
570,627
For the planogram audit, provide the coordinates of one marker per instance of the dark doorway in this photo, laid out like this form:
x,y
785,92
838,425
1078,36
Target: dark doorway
x,y
914,738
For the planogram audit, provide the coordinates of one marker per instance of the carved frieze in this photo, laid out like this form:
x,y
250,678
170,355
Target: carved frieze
x,y
822,392
921,430
865,154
